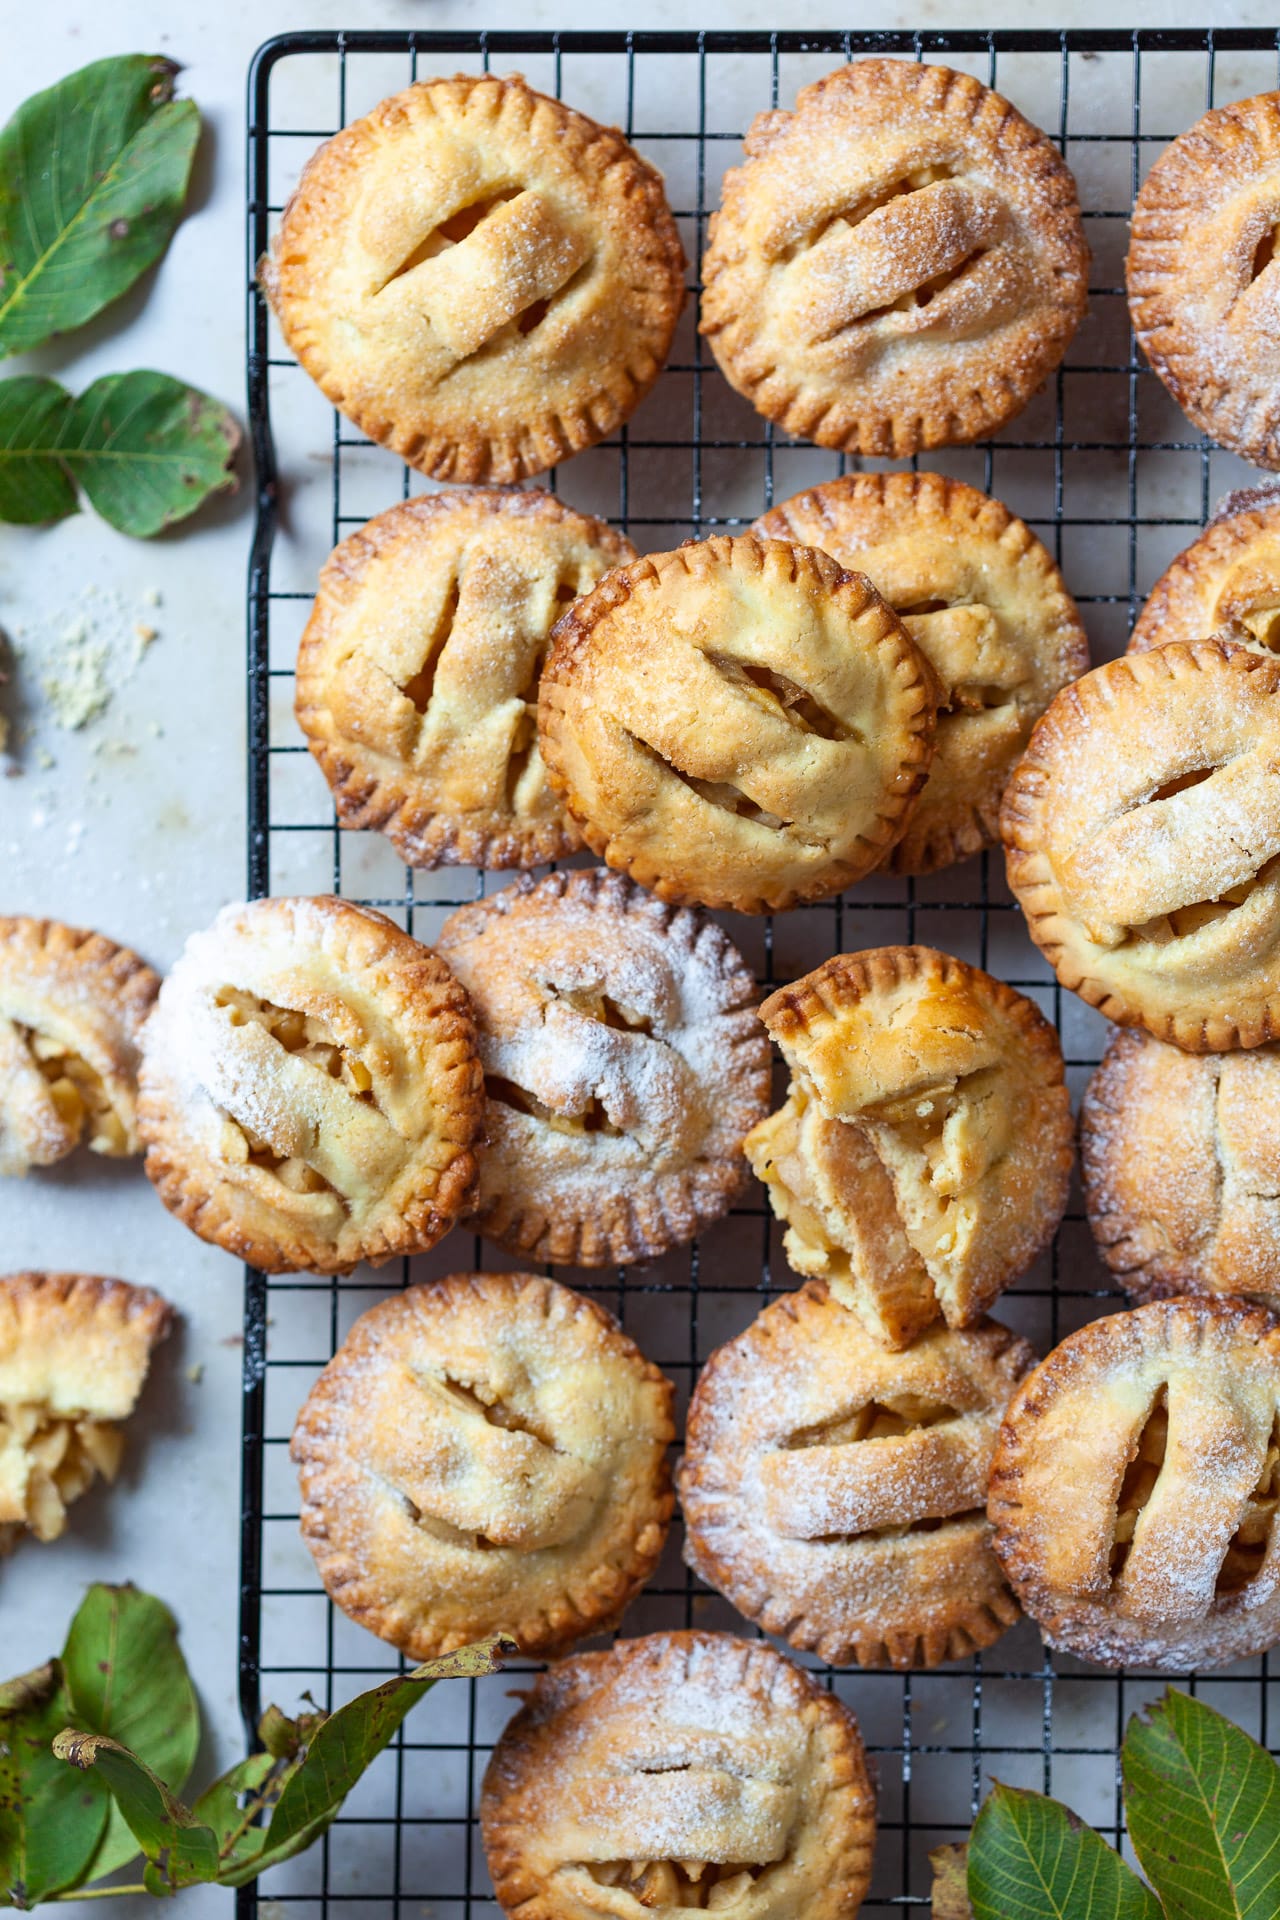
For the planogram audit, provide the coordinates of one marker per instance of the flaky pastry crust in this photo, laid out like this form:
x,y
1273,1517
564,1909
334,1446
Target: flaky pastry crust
x,y
624,1066
922,1157
741,723
984,603
835,1492
485,1454
1135,1485
1142,839
71,1007
1204,288
310,1088
684,1770
478,276
1227,580
897,264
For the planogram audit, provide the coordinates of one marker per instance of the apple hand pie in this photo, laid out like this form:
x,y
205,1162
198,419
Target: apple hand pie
x,y
71,1008
74,1352
1135,1485
311,1091
479,277
984,603
485,1454
739,724
835,1492
682,1771
922,1157
897,264
1142,837
1226,582
417,683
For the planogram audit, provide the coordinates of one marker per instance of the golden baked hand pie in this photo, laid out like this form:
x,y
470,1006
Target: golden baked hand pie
x,y
487,1453
984,603
311,1090
1135,1485
1142,835
897,264
1229,579
922,1157
740,723
624,1066
835,1492
71,1007
682,1771
418,671
1181,1160
1204,291
74,1352
479,277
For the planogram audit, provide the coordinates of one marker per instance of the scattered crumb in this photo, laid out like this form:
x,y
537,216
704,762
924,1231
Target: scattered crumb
x,y
195,1374
232,1340
44,759
83,654
152,597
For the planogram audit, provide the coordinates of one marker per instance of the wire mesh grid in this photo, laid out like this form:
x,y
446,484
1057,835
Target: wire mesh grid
x,y
1109,474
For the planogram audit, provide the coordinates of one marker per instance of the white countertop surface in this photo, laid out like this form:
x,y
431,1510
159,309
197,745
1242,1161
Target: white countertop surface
x,y
137,825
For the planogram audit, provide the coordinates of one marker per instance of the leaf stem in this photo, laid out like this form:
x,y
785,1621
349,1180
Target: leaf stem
x,y
97,1893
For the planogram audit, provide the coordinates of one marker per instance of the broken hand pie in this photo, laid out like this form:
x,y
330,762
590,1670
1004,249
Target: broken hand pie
x,y
1142,835
835,1492
71,1007
486,1453
922,1157
1225,583
1135,1485
479,277
682,1771
310,1088
897,264
739,724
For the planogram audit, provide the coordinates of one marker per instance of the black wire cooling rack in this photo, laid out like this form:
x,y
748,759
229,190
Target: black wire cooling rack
x,y
1110,475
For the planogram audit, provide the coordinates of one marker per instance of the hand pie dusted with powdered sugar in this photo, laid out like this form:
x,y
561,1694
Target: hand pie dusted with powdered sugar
x,y
418,671
71,1007
485,1454
1181,1160
922,1157
897,264
1204,284
835,1492
682,1771
984,603
1142,837
739,724
1227,582
1135,1485
479,277
311,1090
623,1063
74,1352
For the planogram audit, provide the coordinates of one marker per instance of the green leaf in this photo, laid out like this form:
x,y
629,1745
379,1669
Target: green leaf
x,y
180,1848
1030,1858
1204,1812
950,1898
146,449
93,176
219,1807
50,1825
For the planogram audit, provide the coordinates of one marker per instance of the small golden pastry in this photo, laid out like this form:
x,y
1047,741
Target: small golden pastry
x,y
898,263
739,724
1135,1484
311,1090
835,1492
479,277
485,1454
1204,289
624,1066
1181,1160
1229,578
1142,829
984,603
417,682
684,1770
74,1352
71,1007
922,1157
